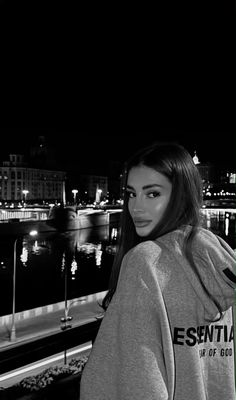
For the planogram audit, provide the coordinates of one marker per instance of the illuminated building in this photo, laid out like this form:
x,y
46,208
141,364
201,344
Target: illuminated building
x,y
41,185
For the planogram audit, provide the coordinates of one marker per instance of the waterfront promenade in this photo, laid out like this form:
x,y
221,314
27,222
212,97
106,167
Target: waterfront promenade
x,y
43,322
46,320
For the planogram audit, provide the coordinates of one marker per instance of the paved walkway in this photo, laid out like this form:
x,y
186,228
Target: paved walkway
x,y
43,321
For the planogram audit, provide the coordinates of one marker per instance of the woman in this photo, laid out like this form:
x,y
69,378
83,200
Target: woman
x,y
167,332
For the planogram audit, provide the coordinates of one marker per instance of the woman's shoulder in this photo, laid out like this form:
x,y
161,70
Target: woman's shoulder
x,y
207,238
148,250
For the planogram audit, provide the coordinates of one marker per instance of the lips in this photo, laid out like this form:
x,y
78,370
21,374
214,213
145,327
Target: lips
x,y
141,223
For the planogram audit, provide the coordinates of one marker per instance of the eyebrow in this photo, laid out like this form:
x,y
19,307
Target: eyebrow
x,y
146,186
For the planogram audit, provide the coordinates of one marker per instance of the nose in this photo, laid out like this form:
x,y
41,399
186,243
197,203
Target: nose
x,y
137,205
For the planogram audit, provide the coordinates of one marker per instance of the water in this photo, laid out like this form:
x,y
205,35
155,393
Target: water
x,y
81,258
222,223
72,264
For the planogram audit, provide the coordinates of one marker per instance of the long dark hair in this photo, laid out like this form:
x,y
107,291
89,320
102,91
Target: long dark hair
x,y
175,162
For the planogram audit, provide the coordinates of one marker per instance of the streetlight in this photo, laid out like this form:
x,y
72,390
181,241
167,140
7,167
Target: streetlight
x,y
25,192
66,317
74,191
13,327
98,195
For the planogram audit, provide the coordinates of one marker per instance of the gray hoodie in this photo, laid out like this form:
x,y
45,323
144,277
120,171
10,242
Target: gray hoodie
x,y
157,340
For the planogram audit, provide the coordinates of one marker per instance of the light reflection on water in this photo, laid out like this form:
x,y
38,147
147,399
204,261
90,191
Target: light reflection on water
x,y
84,257
221,222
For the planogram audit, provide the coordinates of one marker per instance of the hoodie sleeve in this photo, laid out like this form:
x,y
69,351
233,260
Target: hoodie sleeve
x,y
145,352
132,357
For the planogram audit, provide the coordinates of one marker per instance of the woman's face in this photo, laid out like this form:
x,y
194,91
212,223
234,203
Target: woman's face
x,y
149,192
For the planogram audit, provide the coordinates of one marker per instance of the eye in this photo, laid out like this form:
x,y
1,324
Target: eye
x,y
130,194
153,194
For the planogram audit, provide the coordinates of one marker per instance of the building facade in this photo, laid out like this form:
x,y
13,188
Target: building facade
x,y
18,182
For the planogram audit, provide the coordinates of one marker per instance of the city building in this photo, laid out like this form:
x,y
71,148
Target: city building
x,y
214,174
21,183
219,183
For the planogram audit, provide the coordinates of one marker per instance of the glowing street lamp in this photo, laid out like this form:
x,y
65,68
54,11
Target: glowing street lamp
x,y
98,195
13,327
25,192
74,191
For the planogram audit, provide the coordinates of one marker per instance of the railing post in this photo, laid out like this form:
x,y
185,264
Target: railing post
x,y
13,327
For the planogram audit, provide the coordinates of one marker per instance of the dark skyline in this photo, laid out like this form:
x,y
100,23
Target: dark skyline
x,y
75,147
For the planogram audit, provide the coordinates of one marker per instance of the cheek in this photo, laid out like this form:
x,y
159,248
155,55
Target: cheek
x,y
155,208
158,209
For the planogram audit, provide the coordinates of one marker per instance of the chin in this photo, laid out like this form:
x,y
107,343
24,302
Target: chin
x,y
142,232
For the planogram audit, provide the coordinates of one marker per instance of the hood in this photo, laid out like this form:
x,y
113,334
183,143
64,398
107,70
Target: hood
x,y
215,262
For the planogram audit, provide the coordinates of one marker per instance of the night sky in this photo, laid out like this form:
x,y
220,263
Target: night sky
x,y
75,147
181,88
176,82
